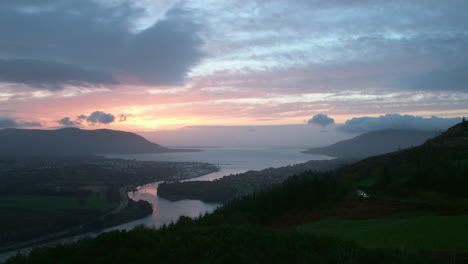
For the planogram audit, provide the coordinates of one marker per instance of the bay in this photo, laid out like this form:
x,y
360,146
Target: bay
x,y
230,161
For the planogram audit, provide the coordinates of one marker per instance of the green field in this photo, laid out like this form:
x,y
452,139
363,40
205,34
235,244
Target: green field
x,y
415,231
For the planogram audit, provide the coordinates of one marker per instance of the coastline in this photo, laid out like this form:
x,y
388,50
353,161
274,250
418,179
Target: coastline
x,y
102,222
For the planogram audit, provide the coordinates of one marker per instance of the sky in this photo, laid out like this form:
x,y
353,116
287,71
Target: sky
x,y
166,65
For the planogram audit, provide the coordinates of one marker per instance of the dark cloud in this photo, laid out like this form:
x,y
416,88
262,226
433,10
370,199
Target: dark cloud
x,y
12,123
7,111
397,121
100,117
81,117
321,120
50,75
96,117
54,43
67,122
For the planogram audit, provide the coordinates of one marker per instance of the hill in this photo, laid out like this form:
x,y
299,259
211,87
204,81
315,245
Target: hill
x,y
433,175
73,141
439,166
416,214
374,143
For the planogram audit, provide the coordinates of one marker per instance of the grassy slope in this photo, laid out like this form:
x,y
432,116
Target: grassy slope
x,y
435,174
420,231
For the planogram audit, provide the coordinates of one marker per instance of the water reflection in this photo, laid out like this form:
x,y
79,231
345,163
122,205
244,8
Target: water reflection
x,y
148,189
229,160
164,211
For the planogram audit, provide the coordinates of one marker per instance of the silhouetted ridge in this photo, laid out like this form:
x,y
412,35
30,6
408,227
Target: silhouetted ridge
x,y
374,143
73,141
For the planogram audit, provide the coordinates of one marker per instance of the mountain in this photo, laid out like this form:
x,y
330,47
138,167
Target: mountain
x,y
73,141
416,213
374,143
439,167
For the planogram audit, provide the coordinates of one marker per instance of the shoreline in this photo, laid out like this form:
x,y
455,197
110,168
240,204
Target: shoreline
x,y
79,232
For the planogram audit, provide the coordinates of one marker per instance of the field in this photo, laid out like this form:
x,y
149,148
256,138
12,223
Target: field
x,y
408,231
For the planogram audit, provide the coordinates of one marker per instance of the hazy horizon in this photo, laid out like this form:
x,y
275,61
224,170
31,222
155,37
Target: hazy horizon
x,y
319,131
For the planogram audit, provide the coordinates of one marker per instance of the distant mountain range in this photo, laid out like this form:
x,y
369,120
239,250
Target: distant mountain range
x,y
374,143
74,141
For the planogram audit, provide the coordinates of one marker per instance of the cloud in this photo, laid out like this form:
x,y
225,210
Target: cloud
x,y
12,123
67,122
50,75
122,117
336,44
96,117
7,122
85,43
453,78
397,121
321,120
100,117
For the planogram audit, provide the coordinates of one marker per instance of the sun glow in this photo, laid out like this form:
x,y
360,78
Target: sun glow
x,y
152,124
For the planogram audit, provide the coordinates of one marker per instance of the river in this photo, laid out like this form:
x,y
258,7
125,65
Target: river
x,y
230,161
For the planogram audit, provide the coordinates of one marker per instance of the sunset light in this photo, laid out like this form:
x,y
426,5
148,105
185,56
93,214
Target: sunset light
x,y
234,131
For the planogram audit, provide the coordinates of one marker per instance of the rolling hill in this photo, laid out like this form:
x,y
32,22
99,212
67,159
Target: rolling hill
x,y
374,143
73,141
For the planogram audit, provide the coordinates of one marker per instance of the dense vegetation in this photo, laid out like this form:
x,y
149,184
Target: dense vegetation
x,y
239,232
214,244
